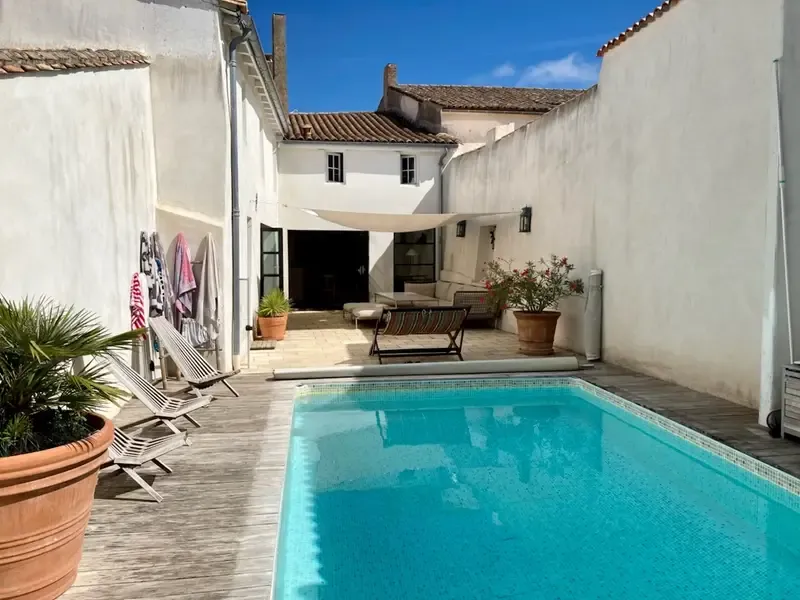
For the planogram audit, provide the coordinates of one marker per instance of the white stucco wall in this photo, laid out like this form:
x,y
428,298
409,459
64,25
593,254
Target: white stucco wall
x,y
472,127
662,177
79,184
372,184
189,129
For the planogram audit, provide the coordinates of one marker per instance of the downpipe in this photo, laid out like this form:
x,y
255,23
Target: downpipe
x,y
235,212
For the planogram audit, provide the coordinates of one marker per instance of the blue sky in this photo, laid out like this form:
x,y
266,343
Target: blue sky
x,y
337,50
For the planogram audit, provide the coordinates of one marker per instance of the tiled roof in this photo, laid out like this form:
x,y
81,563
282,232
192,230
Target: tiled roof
x,y
487,98
640,24
13,61
359,127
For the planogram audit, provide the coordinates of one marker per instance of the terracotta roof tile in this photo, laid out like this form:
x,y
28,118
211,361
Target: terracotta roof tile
x,y
491,99
370,127
15,61
640,24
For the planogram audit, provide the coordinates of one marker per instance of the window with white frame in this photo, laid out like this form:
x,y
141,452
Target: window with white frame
x,y
335,171
408,169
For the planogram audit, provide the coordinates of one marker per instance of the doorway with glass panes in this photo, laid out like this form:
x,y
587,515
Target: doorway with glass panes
x,y
271,259
414,258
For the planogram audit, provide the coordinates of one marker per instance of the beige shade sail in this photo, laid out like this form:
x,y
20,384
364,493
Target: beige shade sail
x,y
395,223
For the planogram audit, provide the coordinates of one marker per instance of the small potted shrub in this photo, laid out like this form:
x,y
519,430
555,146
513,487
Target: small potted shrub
x,y
532,291
273,314
51,443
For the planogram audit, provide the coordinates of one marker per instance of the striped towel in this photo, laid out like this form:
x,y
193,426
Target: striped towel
x,y
137,304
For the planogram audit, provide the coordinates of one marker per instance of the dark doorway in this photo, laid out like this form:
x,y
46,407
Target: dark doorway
x,y
328,268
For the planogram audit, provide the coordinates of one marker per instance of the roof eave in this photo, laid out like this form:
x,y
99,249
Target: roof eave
x,y
256,58
354,142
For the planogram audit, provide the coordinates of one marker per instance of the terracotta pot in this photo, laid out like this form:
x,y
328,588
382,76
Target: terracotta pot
x,y
273,328
536,331
45,501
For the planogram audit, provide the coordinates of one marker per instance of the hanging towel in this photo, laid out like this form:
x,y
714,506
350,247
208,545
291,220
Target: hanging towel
x,y
208,305
184,278
167,293
138,317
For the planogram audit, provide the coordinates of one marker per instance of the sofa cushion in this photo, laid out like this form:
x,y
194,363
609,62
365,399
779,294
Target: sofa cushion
x,y
424,289
442,289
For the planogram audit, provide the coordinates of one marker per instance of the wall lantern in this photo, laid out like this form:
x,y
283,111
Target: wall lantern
x,y
525,219
461,229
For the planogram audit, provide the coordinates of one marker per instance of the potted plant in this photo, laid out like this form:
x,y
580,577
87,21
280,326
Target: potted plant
x,y
533,290
273,314
51,443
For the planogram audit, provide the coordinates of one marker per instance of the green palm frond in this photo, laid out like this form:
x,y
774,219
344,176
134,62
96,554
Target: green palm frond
x,y
39,341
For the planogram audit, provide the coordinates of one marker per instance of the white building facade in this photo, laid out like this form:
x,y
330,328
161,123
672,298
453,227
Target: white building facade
x,y
100,147
355,162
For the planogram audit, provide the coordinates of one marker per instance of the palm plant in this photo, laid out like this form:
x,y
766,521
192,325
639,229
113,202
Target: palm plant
x,y
274,304
44,403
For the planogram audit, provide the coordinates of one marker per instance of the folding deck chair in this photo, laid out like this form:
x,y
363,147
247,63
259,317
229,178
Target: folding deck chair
x,y
164,408
129,453
198,372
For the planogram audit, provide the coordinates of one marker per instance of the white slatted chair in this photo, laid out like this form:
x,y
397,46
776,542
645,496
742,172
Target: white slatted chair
x,y
129,453
198,372
164,408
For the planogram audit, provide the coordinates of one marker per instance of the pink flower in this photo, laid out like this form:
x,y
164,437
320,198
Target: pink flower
x,y
564,260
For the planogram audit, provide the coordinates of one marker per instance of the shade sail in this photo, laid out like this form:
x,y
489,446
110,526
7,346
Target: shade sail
x,y
395,223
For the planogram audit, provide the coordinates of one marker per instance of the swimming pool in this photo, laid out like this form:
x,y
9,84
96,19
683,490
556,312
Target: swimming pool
x,y
543,488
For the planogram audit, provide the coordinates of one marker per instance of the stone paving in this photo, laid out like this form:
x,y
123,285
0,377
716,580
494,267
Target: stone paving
x,y
325,338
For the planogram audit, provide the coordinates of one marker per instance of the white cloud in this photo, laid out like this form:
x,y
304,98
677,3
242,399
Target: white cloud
x,y
572,69
504,70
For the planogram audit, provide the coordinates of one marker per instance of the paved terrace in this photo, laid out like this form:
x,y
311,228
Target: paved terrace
x,y
214,535
325,338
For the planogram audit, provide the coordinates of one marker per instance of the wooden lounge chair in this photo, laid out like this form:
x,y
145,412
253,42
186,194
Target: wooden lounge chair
x,y
432,320
164,408
129,453
198,372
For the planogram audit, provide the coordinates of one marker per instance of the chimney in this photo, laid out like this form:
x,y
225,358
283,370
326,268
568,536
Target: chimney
x,y
389,78
279,58
308,130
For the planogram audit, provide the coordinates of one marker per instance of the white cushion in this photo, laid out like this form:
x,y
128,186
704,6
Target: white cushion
x,y
368,313
350,306
424,289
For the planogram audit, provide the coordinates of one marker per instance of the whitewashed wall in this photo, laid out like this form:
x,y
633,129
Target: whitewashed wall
x,y
372,184
78,180
473,126
663,177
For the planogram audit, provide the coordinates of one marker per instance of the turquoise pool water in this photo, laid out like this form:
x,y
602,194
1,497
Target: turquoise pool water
x,y
519,493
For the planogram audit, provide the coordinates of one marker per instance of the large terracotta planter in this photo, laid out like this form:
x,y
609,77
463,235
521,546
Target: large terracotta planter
x,y
273,328
45,501
536,331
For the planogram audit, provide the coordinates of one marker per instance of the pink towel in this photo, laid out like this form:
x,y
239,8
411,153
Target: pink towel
x,y
138,320
184,278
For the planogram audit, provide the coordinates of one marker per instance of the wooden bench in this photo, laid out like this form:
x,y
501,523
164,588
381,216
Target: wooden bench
x,y
432,320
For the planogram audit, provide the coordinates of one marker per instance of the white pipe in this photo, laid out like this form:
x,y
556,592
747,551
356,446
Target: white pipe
x,y
782,200
593,315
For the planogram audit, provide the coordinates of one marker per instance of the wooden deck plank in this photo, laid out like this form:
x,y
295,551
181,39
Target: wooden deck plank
x,y
214,535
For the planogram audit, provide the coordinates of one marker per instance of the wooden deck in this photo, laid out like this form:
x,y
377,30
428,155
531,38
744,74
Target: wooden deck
x,y
214,535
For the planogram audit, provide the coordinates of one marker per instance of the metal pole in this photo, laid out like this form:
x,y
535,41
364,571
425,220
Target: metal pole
x,y
782,201
235,213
